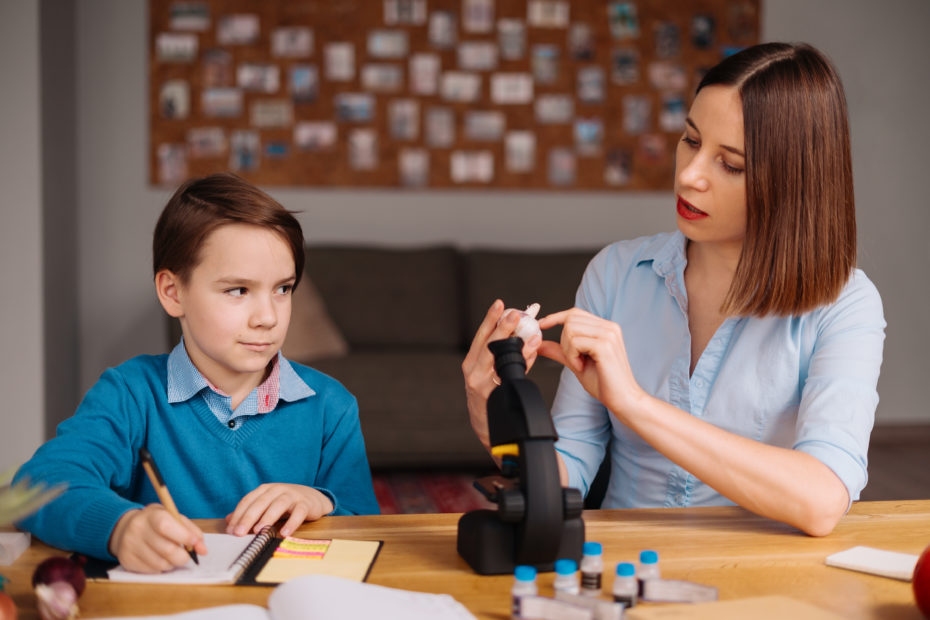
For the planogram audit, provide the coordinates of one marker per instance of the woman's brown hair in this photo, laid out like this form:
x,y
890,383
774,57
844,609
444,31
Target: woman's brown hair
x,y
800,243
200,206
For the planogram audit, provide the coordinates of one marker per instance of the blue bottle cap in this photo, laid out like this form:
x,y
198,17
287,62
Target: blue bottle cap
x,y
524,573
566,566
592,548
625,569
648,557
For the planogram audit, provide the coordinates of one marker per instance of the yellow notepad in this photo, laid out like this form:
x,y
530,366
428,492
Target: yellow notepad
x,y
350,559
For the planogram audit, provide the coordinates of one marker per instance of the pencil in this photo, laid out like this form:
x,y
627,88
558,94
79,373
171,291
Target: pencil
x,y
148,464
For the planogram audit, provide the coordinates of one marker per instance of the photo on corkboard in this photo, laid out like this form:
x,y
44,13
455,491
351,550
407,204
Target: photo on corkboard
x,y
421,94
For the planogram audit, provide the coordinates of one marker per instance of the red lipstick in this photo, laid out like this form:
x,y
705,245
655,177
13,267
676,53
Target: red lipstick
x,y
689,211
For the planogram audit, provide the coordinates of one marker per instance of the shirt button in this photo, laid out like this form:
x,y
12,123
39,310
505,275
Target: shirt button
x,y
231,424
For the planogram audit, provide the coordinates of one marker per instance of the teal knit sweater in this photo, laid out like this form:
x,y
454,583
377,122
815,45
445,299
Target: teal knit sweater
x,y
316,441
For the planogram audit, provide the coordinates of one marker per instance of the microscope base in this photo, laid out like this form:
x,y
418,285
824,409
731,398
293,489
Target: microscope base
x,y
487,544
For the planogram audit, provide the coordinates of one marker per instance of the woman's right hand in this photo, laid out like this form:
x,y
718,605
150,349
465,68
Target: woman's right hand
x,y
478,366
592,347
151,540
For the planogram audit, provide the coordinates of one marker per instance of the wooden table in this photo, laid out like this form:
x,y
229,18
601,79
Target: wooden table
x,y
741,554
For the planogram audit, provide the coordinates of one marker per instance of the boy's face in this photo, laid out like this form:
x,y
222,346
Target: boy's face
x,y
236,306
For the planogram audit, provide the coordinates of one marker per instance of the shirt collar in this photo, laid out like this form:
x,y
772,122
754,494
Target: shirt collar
x,y
667,253
185,381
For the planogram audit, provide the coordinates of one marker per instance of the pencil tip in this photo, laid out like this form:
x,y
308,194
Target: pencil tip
x,y
194,557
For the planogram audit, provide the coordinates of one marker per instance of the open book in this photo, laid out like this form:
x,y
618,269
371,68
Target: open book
x,y
320,597
265,559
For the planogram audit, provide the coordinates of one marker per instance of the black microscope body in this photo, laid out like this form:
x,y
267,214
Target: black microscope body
x,y
536,521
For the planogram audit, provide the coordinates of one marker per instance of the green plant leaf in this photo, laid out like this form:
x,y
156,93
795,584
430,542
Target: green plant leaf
x,y
22,499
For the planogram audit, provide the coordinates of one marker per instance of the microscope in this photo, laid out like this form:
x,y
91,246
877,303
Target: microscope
x,y
536,521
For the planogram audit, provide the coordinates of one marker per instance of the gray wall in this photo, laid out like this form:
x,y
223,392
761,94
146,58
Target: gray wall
x,y
21,312
882,59
883,55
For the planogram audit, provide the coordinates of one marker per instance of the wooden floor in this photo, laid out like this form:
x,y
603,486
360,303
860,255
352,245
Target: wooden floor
x,y
899,463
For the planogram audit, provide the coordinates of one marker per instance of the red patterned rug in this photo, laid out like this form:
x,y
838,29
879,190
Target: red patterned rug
x,y
421,492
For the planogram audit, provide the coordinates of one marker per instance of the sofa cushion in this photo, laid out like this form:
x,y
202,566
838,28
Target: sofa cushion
x,y
312,334
391,298
521,278
412,408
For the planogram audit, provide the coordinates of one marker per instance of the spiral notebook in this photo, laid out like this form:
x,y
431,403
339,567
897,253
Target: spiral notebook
x,y
265,559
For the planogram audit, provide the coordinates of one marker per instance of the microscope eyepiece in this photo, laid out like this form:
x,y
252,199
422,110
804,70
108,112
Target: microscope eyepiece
x,y
508,358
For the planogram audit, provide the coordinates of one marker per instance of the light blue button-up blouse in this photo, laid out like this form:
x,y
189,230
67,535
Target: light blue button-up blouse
x,y
805,382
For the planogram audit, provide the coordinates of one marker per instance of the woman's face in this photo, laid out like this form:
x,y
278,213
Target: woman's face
x,y
710,179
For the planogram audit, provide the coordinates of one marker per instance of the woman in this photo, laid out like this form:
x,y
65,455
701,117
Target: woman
x,y
736,360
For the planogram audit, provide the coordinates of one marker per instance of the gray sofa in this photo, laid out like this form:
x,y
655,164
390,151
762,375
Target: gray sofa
x,y
406,318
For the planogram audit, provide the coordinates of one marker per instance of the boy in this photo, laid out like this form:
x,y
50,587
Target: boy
x,y
236,429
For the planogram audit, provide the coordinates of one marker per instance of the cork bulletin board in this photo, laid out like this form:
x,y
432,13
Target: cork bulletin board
x,y
534,94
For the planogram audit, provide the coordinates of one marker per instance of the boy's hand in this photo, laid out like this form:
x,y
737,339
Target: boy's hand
x,y
151,540
269,502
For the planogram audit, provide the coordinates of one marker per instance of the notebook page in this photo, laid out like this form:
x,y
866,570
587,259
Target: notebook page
x,y
215,566
224,612
321,597
876,561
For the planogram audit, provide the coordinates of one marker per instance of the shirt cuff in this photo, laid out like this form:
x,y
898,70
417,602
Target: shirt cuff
x,y
848,468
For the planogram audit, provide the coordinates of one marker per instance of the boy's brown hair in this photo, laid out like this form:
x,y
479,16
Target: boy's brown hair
x,y
200,206
800,243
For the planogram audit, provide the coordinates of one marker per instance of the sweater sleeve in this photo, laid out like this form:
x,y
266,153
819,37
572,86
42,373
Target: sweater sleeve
x,y
344,474
92,454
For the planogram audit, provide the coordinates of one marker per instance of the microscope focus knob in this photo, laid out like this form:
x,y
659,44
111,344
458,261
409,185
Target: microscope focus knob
x,y
511,506
572,503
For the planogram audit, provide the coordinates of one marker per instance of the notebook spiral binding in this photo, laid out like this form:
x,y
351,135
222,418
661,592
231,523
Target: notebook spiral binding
x,y
259,545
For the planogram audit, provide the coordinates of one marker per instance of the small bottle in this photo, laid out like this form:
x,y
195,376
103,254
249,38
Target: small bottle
x,y
592,565
524,584
648,568
626,586
566,576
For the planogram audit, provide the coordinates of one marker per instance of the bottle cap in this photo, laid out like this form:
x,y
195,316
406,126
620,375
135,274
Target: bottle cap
x,y
625,569
524,573
592,548
648,557
566,566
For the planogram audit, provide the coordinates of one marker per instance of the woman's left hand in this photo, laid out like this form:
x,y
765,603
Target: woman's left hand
x,y
269,502
478,365
592,348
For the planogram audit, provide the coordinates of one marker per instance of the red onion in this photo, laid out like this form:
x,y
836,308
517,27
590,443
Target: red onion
x,y
56,601
60,569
